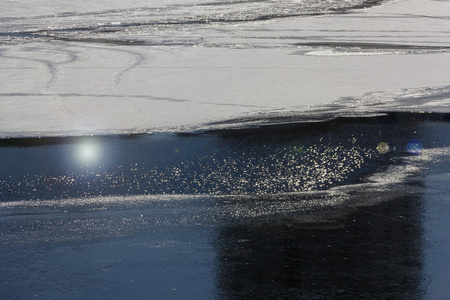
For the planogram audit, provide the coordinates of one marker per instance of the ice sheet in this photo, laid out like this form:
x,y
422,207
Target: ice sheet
x,y
146,78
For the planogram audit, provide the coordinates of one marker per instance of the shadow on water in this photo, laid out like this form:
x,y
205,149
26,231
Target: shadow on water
x,y
373,253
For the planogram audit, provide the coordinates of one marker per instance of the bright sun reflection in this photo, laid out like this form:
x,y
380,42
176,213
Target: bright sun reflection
x,y
87,152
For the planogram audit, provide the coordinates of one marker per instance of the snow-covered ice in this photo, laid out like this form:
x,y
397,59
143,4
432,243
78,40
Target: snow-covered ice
x,y
86,67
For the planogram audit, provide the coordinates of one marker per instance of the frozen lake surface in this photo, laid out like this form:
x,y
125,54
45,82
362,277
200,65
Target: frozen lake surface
x,y
119,67
224,149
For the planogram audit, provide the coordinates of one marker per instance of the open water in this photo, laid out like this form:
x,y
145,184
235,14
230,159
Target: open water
x,y
348,208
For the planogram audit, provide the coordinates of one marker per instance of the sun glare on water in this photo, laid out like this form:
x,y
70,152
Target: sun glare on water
x,y
88,153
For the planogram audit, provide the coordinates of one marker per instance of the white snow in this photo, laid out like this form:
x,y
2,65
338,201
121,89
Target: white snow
x,y
390,57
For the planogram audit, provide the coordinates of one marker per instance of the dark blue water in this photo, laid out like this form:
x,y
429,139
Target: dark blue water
x,y
306,211
269,160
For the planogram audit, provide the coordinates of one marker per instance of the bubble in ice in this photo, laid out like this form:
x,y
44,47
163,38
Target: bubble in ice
x,y
383,148
414,147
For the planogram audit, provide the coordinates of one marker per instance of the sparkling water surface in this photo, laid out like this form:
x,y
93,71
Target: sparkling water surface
x,y
377,232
